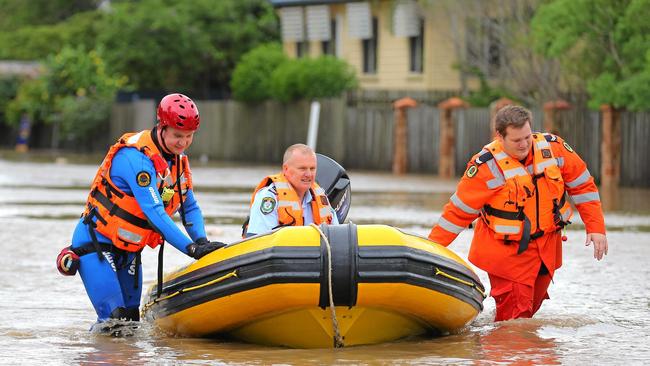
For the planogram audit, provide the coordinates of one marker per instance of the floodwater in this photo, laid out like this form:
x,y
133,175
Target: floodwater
x,y
599,312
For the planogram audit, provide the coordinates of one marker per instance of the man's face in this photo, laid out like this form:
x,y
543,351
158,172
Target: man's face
x,y
177,140
517,141
300,170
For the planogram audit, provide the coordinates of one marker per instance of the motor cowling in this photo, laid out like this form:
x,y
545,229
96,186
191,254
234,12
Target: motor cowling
x,y
333,178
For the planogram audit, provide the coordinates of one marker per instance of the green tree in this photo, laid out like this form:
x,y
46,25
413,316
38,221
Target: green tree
x,y
36,42
251,80
184,45
75,93
605,42
22,13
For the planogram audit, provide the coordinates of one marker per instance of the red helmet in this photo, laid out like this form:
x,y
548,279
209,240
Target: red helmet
x,y
178,111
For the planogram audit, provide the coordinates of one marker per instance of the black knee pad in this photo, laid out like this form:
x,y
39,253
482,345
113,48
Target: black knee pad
x,y
132,314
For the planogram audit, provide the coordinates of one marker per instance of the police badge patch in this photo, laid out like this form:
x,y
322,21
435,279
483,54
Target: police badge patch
x,y
566,146
546,153
471,171
143,178
267,206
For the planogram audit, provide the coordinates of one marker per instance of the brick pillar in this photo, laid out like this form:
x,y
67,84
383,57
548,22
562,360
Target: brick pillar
x,y
550,109
400,136
448,136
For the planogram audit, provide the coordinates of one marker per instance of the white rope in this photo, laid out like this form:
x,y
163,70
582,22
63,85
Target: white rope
x,y
338,340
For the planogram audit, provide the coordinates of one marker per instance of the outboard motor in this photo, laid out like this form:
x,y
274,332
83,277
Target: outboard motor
x,y
331,176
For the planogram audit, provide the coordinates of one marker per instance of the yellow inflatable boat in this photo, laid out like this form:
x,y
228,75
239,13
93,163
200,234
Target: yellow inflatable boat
x,y
274,289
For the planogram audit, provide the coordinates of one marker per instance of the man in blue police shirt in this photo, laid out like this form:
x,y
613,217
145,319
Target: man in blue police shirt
x,y
292,197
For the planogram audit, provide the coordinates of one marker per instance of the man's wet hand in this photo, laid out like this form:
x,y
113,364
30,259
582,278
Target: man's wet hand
x,y
202,247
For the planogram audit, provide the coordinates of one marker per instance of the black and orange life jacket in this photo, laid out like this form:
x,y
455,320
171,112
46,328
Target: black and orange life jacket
x,y
118,215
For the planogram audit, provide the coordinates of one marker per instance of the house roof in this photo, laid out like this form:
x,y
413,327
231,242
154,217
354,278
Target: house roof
x,y
282,3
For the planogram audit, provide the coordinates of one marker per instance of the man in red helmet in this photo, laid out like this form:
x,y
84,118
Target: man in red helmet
x,y
143,180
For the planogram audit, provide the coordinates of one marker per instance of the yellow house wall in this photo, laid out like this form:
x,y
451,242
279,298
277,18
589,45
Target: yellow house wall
x,y
393,52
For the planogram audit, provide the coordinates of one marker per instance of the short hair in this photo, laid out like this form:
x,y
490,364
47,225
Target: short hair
x,y
511,115
300,147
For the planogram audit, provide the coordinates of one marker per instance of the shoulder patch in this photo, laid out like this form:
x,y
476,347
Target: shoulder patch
x,y
143,178
550,137
267,206
471,171
484,158
566,146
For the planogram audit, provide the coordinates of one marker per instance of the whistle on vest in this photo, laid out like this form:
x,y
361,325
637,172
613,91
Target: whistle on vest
x,y
167,194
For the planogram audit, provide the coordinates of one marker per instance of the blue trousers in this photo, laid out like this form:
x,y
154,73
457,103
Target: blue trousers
x,y
110,282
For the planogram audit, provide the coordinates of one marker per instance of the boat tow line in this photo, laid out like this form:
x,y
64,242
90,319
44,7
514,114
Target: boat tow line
x,y
338,340
470,284
188,289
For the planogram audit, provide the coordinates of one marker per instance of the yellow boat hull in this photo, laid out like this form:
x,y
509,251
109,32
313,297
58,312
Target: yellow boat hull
x,y
274,289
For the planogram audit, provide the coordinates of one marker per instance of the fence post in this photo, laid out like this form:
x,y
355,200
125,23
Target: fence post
x,y
550,108
610,148
400,161
448,136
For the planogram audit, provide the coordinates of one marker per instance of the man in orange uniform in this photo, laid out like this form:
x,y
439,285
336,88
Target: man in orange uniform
x,y
518,186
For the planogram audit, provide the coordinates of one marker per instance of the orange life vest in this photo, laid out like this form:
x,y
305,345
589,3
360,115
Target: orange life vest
x,y
533,201
119,216
289,205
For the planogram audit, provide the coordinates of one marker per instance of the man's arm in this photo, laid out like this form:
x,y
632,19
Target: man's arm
x,y
583,191
264,212
127,164
464,205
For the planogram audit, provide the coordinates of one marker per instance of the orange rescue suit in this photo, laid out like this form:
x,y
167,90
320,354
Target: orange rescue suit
x,y
519,204
289,205
119,216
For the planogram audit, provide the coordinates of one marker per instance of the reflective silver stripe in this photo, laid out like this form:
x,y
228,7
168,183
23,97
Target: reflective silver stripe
x,y
294,205
529,169
515,172
133,139
451,227
128,235
320,191
567,214
281,185
500,156
541,166
324,211
560,161
542,144
507,229
585,197
498,180
462,205
583,178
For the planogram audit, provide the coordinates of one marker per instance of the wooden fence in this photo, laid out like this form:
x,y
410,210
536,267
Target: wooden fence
x,y
360,135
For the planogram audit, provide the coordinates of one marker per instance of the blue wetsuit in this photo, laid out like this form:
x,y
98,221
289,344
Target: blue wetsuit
x,y
111,283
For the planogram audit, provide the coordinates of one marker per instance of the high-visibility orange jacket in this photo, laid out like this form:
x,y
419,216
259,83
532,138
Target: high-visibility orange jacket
x,y
289,205
518,201
118,215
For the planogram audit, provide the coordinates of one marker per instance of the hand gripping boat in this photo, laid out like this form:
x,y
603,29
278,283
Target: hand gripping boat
x,y
274,289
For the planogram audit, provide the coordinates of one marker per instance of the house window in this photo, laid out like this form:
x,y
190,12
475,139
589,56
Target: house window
x,y
484,45
302,49
416,50
370,50
329,46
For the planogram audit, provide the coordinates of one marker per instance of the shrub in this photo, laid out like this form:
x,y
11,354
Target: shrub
x,y
251,80
323,77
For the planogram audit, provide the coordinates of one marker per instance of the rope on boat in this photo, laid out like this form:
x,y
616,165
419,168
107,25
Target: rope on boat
x,y
470,284
338,340
188,289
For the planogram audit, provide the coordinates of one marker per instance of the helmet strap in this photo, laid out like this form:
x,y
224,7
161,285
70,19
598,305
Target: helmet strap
x,y
162,141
